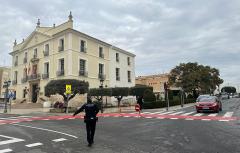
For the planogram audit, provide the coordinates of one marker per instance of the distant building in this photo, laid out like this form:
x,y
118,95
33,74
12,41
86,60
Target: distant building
x,y
60,52
5,75
155,81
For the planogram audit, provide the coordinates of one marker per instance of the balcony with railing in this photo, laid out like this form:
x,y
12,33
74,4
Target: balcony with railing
x,y
101,76
25,60
83,49
118,78
14,82
60,73
35,58
83,73
24,79
101,55
60,48
45,76
16,63
46,53
34,77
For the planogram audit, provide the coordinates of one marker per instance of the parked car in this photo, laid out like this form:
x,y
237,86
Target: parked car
x,y
224,95
210,103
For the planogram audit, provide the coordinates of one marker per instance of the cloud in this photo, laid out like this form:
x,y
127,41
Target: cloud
x,y
161,33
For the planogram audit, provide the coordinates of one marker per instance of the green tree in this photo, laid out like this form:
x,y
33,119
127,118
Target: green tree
x,y
119,93
149,96
229,89
192,77
97,93
139,90
59,87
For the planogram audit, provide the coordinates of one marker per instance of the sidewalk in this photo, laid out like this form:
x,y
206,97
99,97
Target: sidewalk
x,y
46,111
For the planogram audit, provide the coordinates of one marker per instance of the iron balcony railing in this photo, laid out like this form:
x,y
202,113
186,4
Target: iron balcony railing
x,y
60,73
60,48
101,76
83,73
24,79
14,82
46,53
83,49
34,77
45,76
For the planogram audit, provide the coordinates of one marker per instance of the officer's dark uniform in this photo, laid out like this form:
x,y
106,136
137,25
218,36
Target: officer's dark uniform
x,y
90,119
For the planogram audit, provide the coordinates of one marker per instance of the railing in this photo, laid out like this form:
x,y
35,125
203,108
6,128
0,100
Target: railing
x,y
60,48
16,63
34,77
60,73
101,76
118,78
35,58
83,49
83,73
24,79
46,53
45,76
117,59
101,55
25,60
14,82
129,80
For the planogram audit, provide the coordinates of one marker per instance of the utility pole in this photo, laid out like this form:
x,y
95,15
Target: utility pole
x,y
166,95
6,85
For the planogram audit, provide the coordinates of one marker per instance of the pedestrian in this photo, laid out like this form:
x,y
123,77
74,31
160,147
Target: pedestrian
x,y
90,118
140,102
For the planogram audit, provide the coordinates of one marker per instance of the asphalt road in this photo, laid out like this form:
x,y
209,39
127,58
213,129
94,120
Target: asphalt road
x,y
181,131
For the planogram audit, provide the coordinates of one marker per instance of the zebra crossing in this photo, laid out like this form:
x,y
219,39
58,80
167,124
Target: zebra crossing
x,y
192,115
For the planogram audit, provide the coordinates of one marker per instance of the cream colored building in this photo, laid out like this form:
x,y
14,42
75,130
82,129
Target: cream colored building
x,y
61,52
5,75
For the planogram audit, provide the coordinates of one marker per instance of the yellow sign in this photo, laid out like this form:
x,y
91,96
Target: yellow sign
x,y
68,89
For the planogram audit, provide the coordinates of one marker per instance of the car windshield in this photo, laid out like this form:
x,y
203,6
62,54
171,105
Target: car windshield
x,y
207,99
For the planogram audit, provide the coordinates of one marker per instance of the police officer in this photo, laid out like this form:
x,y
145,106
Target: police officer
x,y
90,119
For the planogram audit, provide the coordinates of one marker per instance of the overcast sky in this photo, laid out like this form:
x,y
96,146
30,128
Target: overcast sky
x,y
162,33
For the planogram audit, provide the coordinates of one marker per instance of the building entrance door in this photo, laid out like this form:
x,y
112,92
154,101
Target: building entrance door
x,y
34,93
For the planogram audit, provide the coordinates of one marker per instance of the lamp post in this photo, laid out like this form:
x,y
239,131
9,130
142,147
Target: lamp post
x,y
6,85
101,87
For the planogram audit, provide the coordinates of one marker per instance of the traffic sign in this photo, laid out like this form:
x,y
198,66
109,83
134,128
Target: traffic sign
x,y
68,89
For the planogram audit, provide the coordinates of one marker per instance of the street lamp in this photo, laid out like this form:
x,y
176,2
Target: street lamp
x,y
6,85
101,87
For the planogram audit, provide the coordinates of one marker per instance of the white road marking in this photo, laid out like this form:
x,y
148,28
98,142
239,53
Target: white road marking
x,y
160,117
223,120
228,114
167,112
5,150
59,140
176,113
2,123
173,118
157,112
190,119
46,130
126,116
146,112
198,114
215,114
12,140
34,145
148,117
60,118
8,119
46,119
186,114
72,118
206,119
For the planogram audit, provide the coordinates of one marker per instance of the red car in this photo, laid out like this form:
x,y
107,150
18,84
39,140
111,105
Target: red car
x,y
210,103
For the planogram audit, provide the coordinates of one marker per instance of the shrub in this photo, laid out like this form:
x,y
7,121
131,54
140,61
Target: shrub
x,y
149,96
189,96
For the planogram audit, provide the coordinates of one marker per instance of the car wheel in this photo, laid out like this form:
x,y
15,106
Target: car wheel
x,y
198,111
220,109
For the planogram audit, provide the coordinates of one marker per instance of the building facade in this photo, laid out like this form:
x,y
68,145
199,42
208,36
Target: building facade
x,y
60,52
5,75
155,81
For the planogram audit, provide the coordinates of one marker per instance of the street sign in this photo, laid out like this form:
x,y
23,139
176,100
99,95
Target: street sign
x,y
68,89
